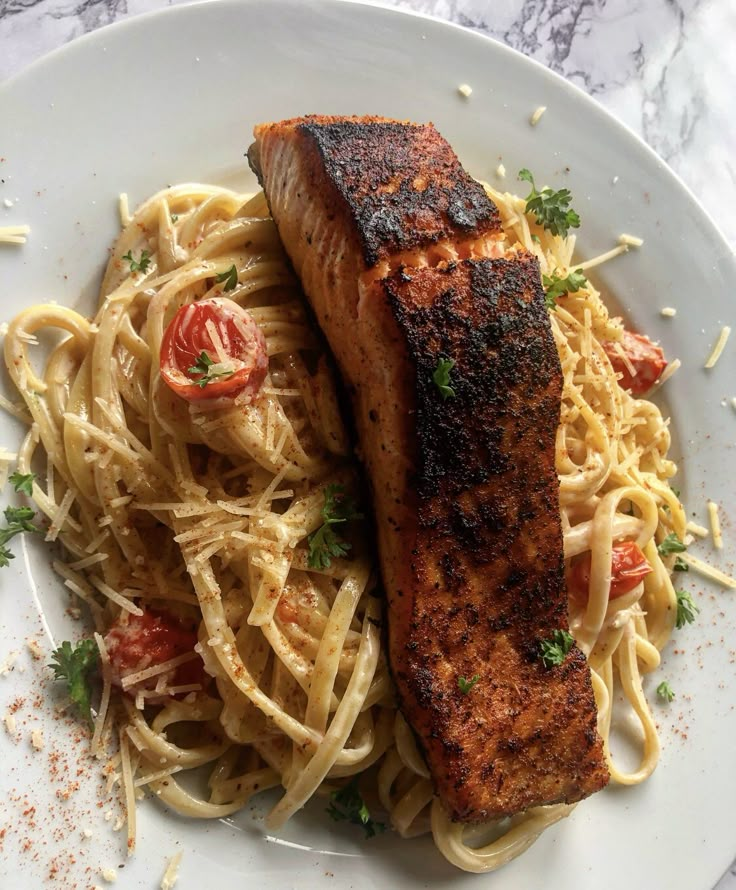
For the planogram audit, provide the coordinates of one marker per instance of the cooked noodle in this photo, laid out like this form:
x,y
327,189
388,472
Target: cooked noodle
x,y
204,512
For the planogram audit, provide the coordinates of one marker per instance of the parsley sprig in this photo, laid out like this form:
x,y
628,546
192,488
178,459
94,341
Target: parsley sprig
x,y
555,286
22,482
671,544
18,521
686,609
441,377
551,208
664,691
140,265
347,805
554,650
466,685
325,543
78,667
230,277
203,366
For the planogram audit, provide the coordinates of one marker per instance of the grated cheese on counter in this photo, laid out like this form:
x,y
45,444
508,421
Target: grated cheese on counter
x,y
465,90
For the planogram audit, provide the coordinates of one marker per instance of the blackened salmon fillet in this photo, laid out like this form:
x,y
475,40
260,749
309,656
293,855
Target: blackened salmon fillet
x,y
444,342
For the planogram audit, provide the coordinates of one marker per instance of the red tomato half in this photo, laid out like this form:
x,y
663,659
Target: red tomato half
x,y
628,567
646,357
148,640
187,338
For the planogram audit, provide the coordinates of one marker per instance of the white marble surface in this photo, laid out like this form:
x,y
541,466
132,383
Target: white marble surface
x,y
666,68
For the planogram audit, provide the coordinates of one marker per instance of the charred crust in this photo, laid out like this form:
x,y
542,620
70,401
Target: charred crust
x,y
488,508
402,184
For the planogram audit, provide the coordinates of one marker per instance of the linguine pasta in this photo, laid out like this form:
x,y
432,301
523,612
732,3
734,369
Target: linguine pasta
x,y
204,510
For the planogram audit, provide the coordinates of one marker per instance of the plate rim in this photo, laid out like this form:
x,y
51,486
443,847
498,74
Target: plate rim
x,y
579,94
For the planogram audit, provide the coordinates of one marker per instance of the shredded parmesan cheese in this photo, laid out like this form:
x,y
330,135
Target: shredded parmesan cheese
x,y
669,371
115,596
61,514
10,723
603,257
715,525
14,234
537,114
630,240
88,561
696,529
35,650
37,739
501,171
7,666
709,571
163,668
465,90
718,348
217,343
124,210
171,874
668,312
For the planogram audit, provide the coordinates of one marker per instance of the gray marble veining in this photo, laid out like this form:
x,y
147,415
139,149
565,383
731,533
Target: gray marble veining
x,y
666,68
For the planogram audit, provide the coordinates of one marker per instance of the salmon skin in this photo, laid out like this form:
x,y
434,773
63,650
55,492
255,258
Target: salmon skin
x,y
402,257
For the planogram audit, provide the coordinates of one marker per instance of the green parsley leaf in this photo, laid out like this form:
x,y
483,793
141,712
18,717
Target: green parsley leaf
x,y
18,520
554,651
230,277
202,366
22,482
78,667
671,544
140,265
664,691
347,805
536,239
325,543
675,491
686,609
441,377
174,217
467,685
555,287
551,208
680,565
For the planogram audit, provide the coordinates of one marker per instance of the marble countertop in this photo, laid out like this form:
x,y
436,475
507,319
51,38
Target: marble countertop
x,y
664,67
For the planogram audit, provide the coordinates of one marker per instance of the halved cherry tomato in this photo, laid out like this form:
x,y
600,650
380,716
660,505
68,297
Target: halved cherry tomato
x,y
151,639
628,567
646,357
186,339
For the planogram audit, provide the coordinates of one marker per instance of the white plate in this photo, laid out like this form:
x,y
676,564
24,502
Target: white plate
x,y
173,96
